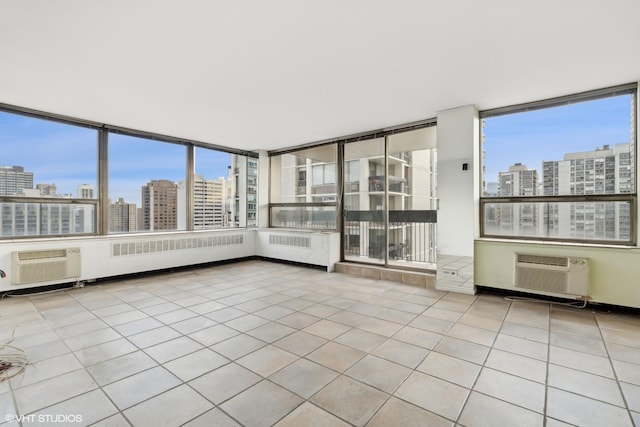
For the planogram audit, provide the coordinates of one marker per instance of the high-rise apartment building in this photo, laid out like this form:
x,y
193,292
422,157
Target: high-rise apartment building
x,y
13,180
519,180
606,170
210,199
122,216
160,205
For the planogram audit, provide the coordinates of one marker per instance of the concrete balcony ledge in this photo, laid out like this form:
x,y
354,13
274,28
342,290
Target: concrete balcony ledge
x,y
416,278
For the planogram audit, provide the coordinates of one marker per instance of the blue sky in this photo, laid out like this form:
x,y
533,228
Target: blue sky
x,y
67,156
547,134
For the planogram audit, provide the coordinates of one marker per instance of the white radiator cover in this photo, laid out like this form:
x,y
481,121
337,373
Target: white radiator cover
x,y
560,275
45,265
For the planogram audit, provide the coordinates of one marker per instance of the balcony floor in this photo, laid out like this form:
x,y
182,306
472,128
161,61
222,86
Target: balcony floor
x,y
258,343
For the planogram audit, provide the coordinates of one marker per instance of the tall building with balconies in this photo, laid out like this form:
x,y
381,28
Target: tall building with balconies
x,y
518,181
606,170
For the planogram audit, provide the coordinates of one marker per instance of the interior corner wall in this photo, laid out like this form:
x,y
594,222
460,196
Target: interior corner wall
x,y
457,145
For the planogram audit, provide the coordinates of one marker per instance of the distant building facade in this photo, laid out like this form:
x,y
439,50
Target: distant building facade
x,y
160,205
14,179
122,217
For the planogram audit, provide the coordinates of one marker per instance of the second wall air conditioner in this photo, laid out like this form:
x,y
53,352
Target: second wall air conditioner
x,y
554,274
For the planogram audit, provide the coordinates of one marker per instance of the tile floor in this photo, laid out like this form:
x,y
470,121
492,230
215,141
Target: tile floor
x,y
258,343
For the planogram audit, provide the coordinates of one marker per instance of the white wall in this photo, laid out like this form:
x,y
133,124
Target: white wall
x,y
458,190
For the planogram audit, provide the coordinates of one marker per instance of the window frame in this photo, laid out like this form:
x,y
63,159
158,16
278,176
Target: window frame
x,y
631,197
101,201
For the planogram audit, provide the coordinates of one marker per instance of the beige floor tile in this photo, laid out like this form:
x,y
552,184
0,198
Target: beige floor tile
x,y
585,384
82,328
126,317
51,391
214,417
627,372
397,316
362,340
298,320
578,343
224,382
432,324
91,338
327,329
193,324
154,336
515,364
157,309
90,407
263,404
101,352
350,400
624,353
246,323
485,411
433,394
300,343
379,373
7,408
529,314
399,413
237,346
170,408
632,395
336,356
271,332
472,334
526,332
582,411
450,369
116,420
439,313
173,349
116,369
304,378
46,351
465,350
516,390
309,415
522,347
320,310
418,337
551,422
225,314
571,326
45,369
195,364
267,360
348,318
213,335
628,338
481,322
141,386
581,361
400,352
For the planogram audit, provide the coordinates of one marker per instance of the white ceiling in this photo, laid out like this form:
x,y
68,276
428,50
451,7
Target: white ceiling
x,y
260,74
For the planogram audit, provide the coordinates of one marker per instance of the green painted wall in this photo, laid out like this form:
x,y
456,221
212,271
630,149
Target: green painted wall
x,y
614,272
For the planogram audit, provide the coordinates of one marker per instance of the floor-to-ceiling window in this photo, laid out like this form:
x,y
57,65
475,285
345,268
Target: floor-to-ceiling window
x,y
390,199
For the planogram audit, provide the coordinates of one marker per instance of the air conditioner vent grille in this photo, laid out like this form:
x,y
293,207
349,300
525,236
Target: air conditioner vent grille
x,y
543,260
54,253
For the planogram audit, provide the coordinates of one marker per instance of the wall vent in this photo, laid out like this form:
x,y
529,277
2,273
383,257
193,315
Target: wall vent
x,y
558,275
168,245
288,240
45,265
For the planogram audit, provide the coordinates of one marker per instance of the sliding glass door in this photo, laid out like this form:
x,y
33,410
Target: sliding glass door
x,y
390,200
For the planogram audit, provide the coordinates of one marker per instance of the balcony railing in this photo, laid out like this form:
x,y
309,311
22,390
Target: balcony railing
x,y
396,185
315,216
411,236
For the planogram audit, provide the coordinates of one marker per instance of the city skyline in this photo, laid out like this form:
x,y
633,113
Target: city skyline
x,y
532,137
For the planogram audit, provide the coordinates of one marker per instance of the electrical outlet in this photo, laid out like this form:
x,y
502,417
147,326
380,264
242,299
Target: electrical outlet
x,y
450,272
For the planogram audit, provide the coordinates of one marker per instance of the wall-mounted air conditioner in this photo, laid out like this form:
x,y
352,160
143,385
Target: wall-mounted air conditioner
x,y
553,274
45,265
